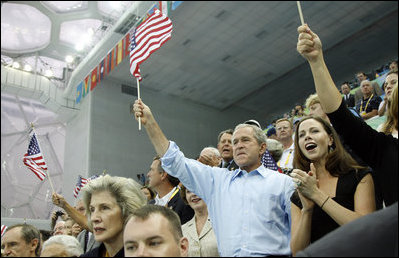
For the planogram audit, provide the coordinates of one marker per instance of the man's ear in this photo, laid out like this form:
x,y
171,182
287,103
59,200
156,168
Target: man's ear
x,y
262,149
33,245
183,247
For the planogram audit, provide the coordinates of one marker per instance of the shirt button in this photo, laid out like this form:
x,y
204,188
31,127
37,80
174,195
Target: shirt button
x,y
244,246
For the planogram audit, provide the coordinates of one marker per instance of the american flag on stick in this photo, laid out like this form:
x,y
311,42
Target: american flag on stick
x,y
147,38
34,160
81,182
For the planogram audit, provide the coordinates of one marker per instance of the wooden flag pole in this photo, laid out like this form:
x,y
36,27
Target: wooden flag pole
x,y
48,174
138,95
300,12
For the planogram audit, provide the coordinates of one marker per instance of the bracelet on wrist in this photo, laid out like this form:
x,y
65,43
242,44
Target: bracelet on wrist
x,y
328,197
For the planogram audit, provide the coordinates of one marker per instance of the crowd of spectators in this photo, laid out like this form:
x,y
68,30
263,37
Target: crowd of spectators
x,y
318,181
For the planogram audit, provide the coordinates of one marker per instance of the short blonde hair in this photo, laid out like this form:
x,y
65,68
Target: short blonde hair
x,y
311,100
126,191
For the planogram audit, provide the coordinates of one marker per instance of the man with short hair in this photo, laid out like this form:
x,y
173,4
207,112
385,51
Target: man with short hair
x,y
21,240
168,192
376,89
154,231
226,150
348,97
367,107
249,207
59,228
284,131
210,156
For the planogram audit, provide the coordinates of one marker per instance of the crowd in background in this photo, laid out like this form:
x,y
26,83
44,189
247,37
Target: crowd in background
x,y
317,170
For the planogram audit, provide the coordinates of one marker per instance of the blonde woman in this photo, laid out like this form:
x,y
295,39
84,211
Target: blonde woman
x,y
109,200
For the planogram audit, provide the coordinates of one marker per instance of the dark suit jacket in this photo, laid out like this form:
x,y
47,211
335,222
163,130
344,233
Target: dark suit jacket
x,y
351,101
375,234
183,210
231,166
97,252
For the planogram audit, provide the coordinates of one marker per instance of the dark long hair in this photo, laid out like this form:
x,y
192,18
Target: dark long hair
x,y
338,161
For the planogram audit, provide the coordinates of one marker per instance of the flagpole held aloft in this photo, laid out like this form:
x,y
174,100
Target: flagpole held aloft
x,y
138,95
38,143
300,12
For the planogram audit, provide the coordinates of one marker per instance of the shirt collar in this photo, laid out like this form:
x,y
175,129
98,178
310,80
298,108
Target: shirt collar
x,y
261,170
164,200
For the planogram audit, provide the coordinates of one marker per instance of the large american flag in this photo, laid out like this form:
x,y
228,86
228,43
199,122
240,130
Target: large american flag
x,y
81,182
269,162
147,38
34,160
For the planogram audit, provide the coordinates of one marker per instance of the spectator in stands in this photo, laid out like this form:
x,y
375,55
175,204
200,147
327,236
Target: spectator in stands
x,y
390,81
271,133
376,233
21,240
199,231
367,107
154,231
275,148
393,66
262,227
68,226
376,89
109,200
348,97
315,108
390,126
76,229
149,193
210,156
77,213
58,214
284,129
61,246
226,150
299,112
168,193
59,228
336,191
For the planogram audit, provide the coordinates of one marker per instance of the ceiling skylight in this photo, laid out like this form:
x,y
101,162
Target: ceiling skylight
x,y
23,28
65,6
77,32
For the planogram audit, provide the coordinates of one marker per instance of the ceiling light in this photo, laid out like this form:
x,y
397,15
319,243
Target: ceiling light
x,y
90,31
28,68
16,65
79,46
115,4
48,73
69,59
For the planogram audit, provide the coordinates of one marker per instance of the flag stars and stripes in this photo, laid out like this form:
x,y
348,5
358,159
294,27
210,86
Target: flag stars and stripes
x,y
34,160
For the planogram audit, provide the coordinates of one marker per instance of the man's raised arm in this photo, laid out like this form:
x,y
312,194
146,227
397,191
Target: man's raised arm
x,y
309,46
158,139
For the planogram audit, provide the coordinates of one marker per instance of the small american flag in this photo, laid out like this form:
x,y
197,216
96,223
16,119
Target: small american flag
x,y
147,38
269,162
34,160
81,182
3,229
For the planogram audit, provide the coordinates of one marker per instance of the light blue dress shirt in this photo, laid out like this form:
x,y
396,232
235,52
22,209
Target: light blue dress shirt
x,y
250,212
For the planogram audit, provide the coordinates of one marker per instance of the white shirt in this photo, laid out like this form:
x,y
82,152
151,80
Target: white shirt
x,y
164,200
287,158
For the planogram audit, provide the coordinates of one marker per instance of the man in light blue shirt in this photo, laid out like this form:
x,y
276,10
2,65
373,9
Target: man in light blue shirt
x,y
250,207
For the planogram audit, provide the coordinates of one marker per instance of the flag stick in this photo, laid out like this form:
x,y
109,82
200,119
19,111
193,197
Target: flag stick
x,y
138,95
46,172
300,12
